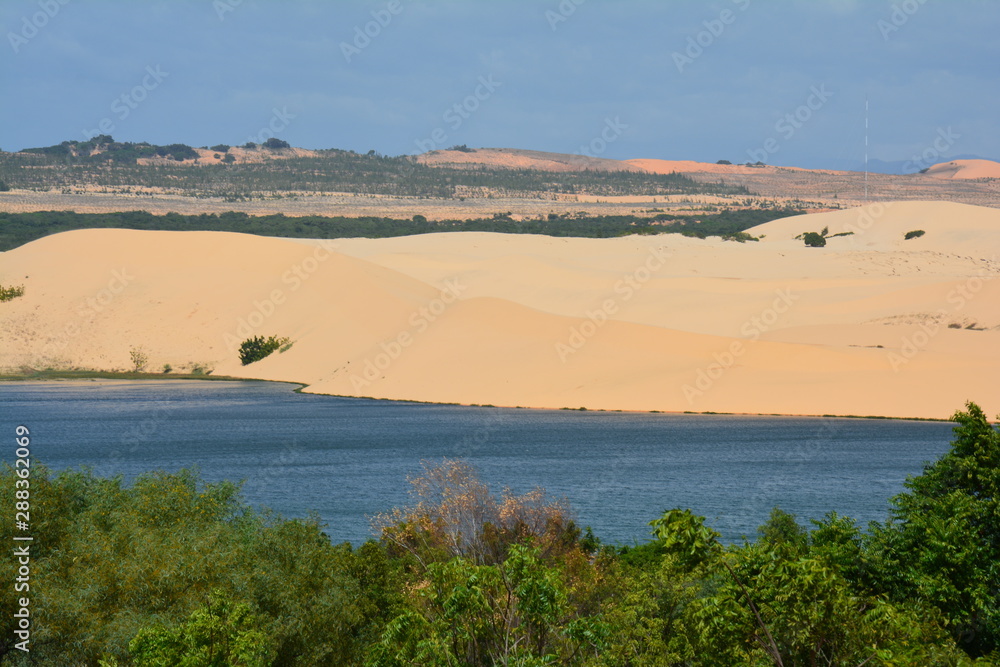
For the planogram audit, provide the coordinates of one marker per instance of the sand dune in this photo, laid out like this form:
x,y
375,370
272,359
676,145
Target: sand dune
x,y
965,169
870,324
691,167
515,158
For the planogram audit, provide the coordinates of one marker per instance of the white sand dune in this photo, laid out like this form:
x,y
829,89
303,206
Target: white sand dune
x,y
871,324
965,169
657,166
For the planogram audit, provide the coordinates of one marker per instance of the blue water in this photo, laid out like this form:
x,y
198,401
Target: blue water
x,y
348,459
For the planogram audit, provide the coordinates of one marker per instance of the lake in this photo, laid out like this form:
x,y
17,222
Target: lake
x,y
349,458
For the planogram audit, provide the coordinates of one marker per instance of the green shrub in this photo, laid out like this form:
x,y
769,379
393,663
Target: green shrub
x,y
139,359
8,293
258,347
178,152
4,187
740,237
275,144
814,240
915,234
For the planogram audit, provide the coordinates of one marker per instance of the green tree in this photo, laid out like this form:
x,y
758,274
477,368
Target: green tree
x,y
512,613
942,542
784,601
224,633
782,530
256,348
139,359
120,563
814,240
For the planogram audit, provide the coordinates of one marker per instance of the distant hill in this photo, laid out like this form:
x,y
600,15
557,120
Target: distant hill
x,y
257,171
103,148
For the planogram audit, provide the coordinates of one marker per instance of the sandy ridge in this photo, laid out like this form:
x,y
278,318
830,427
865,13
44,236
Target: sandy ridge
x,y
870,324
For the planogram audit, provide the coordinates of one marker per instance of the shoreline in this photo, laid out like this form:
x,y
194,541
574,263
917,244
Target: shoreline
x,y
55,376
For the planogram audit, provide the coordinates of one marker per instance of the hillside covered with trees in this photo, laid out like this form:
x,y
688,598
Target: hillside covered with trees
x,y
172,570
103,162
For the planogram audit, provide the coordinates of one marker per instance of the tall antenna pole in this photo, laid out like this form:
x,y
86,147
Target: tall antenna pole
x,y
866,149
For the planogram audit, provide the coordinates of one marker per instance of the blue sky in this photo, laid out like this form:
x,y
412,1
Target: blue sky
x,y
782,80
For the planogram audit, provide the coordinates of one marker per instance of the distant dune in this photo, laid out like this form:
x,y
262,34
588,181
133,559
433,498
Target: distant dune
x,y
872,324
690,167
514,158
965,169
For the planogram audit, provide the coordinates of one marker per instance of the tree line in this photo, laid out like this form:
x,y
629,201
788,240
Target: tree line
x,y
19,228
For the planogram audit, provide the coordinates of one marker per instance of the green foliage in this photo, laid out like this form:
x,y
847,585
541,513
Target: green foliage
x,y
224,633
19,228
163,570
740,237
139,359
686,537
4,187
649,615
114,164
103,149
814,240
942,543
515,612
12,292
782,531
275,144
787,608
256,348
178,152
221,148
915,234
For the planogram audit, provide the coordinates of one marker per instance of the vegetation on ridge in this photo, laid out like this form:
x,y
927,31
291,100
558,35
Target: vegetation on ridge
x,y
19,228
104,162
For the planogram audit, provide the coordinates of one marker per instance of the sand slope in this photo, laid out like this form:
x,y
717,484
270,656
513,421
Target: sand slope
x,y
965,169
871,324
516,158
690,167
